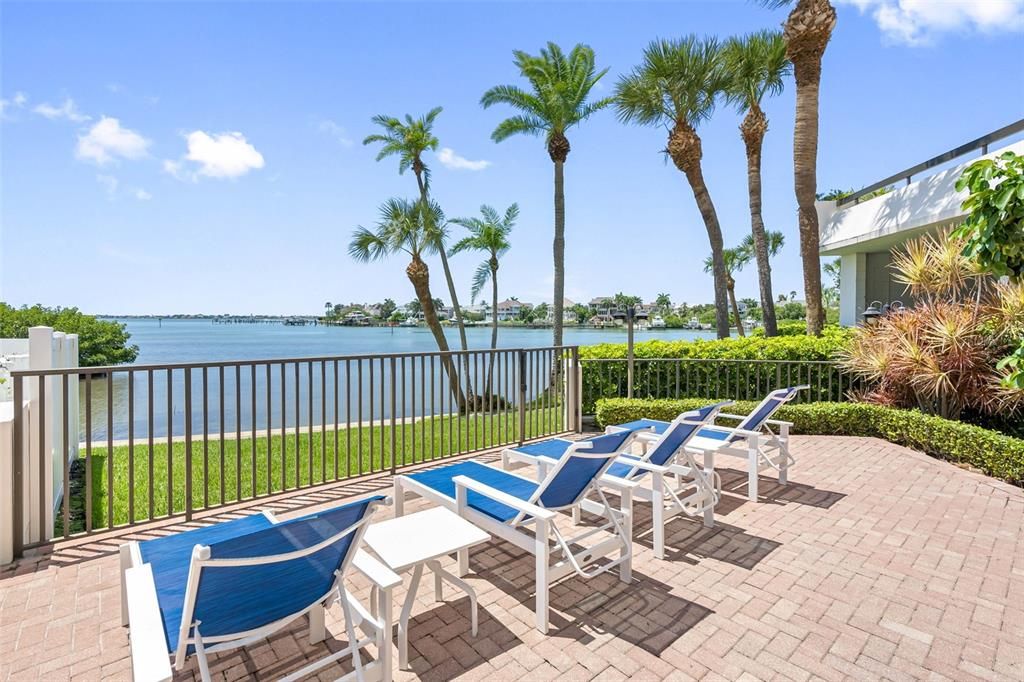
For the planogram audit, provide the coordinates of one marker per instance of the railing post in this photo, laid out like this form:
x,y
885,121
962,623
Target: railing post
x,y
629,357
577,379
188,444
18,472
522,395
394,441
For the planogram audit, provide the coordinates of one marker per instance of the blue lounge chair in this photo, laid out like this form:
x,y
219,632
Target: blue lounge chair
x,y
696,490
507,505
233,583
752,438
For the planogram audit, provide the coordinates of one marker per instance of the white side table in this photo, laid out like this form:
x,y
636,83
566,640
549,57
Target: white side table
x,y
418,540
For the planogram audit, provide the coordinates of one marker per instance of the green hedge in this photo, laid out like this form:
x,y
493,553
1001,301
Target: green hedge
x,y
715,368
996,454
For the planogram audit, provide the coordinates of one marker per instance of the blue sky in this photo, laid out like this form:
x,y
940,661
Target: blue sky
x,y
203,157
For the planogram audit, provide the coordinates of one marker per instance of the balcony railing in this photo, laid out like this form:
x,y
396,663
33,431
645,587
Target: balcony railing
x,y
906,176
710,378
161,441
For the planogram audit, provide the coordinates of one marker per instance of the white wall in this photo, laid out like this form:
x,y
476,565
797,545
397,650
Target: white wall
x,y
41,456
885,221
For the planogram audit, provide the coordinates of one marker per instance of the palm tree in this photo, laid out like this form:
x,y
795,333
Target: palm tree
x,y
676,86
560,86
327,309
734,261
807,31
757,65
773,243
408,140
663,302
405,227
489,234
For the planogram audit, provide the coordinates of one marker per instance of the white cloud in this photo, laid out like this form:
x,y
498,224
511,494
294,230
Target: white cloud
x,y
67,110
142,195
221,155
16,102
107,140
920,22
336,131
109,184
449,159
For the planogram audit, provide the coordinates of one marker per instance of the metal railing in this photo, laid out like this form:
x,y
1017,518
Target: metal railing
x,y
735,379
905,176
167,440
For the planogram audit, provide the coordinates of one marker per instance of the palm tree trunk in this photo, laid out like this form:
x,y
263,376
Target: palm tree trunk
x,y
419,275
707,211
807,31
494,325
753,143
558,249
451,292
805,161
735,307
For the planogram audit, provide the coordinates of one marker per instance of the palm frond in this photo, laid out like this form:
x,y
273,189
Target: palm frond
x,y
526,125
480,279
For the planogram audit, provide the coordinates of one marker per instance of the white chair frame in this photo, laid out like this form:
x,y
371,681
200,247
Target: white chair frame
x,y
140,611
696,490
554,557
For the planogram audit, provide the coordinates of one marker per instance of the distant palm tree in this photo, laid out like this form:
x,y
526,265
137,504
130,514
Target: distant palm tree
x,y
408,140
807,31
327,308
757,65
560,86
489,234
403,227
663,302
676,86
773,243
734,260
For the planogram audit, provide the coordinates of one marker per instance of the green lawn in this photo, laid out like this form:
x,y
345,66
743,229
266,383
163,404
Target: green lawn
x,y
235,469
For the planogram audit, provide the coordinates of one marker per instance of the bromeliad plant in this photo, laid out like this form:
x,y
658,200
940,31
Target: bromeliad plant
x,y
941,354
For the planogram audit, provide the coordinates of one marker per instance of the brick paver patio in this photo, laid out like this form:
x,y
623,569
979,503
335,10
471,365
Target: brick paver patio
x,y
876,562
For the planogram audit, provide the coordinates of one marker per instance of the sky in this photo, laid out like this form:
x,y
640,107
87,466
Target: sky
x,y
201,157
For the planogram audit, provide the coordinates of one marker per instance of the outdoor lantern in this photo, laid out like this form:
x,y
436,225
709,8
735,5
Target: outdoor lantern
x,y
873,312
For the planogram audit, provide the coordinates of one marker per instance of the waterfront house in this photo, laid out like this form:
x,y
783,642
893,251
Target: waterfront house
x,y
510,309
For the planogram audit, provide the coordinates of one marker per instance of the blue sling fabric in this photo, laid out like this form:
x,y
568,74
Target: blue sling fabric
x,y
170,556
682,432
576,475
652,424
232,600
441,480
553,448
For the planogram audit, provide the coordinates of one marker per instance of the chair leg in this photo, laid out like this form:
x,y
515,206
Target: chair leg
x,y
543,565
204,665
784,451
399,498
626,508
753,464
317,627
124,551
709,474
658,513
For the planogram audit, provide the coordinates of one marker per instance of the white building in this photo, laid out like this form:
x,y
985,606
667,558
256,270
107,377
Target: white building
x,y
510,308
865,234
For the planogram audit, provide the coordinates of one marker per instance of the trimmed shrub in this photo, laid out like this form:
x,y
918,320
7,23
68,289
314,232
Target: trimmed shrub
x,y
996,454
714,368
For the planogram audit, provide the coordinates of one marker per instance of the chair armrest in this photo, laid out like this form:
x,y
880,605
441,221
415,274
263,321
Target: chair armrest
x,y
731,430
379,574
777,422
503,498
732,416
619,485
150,660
